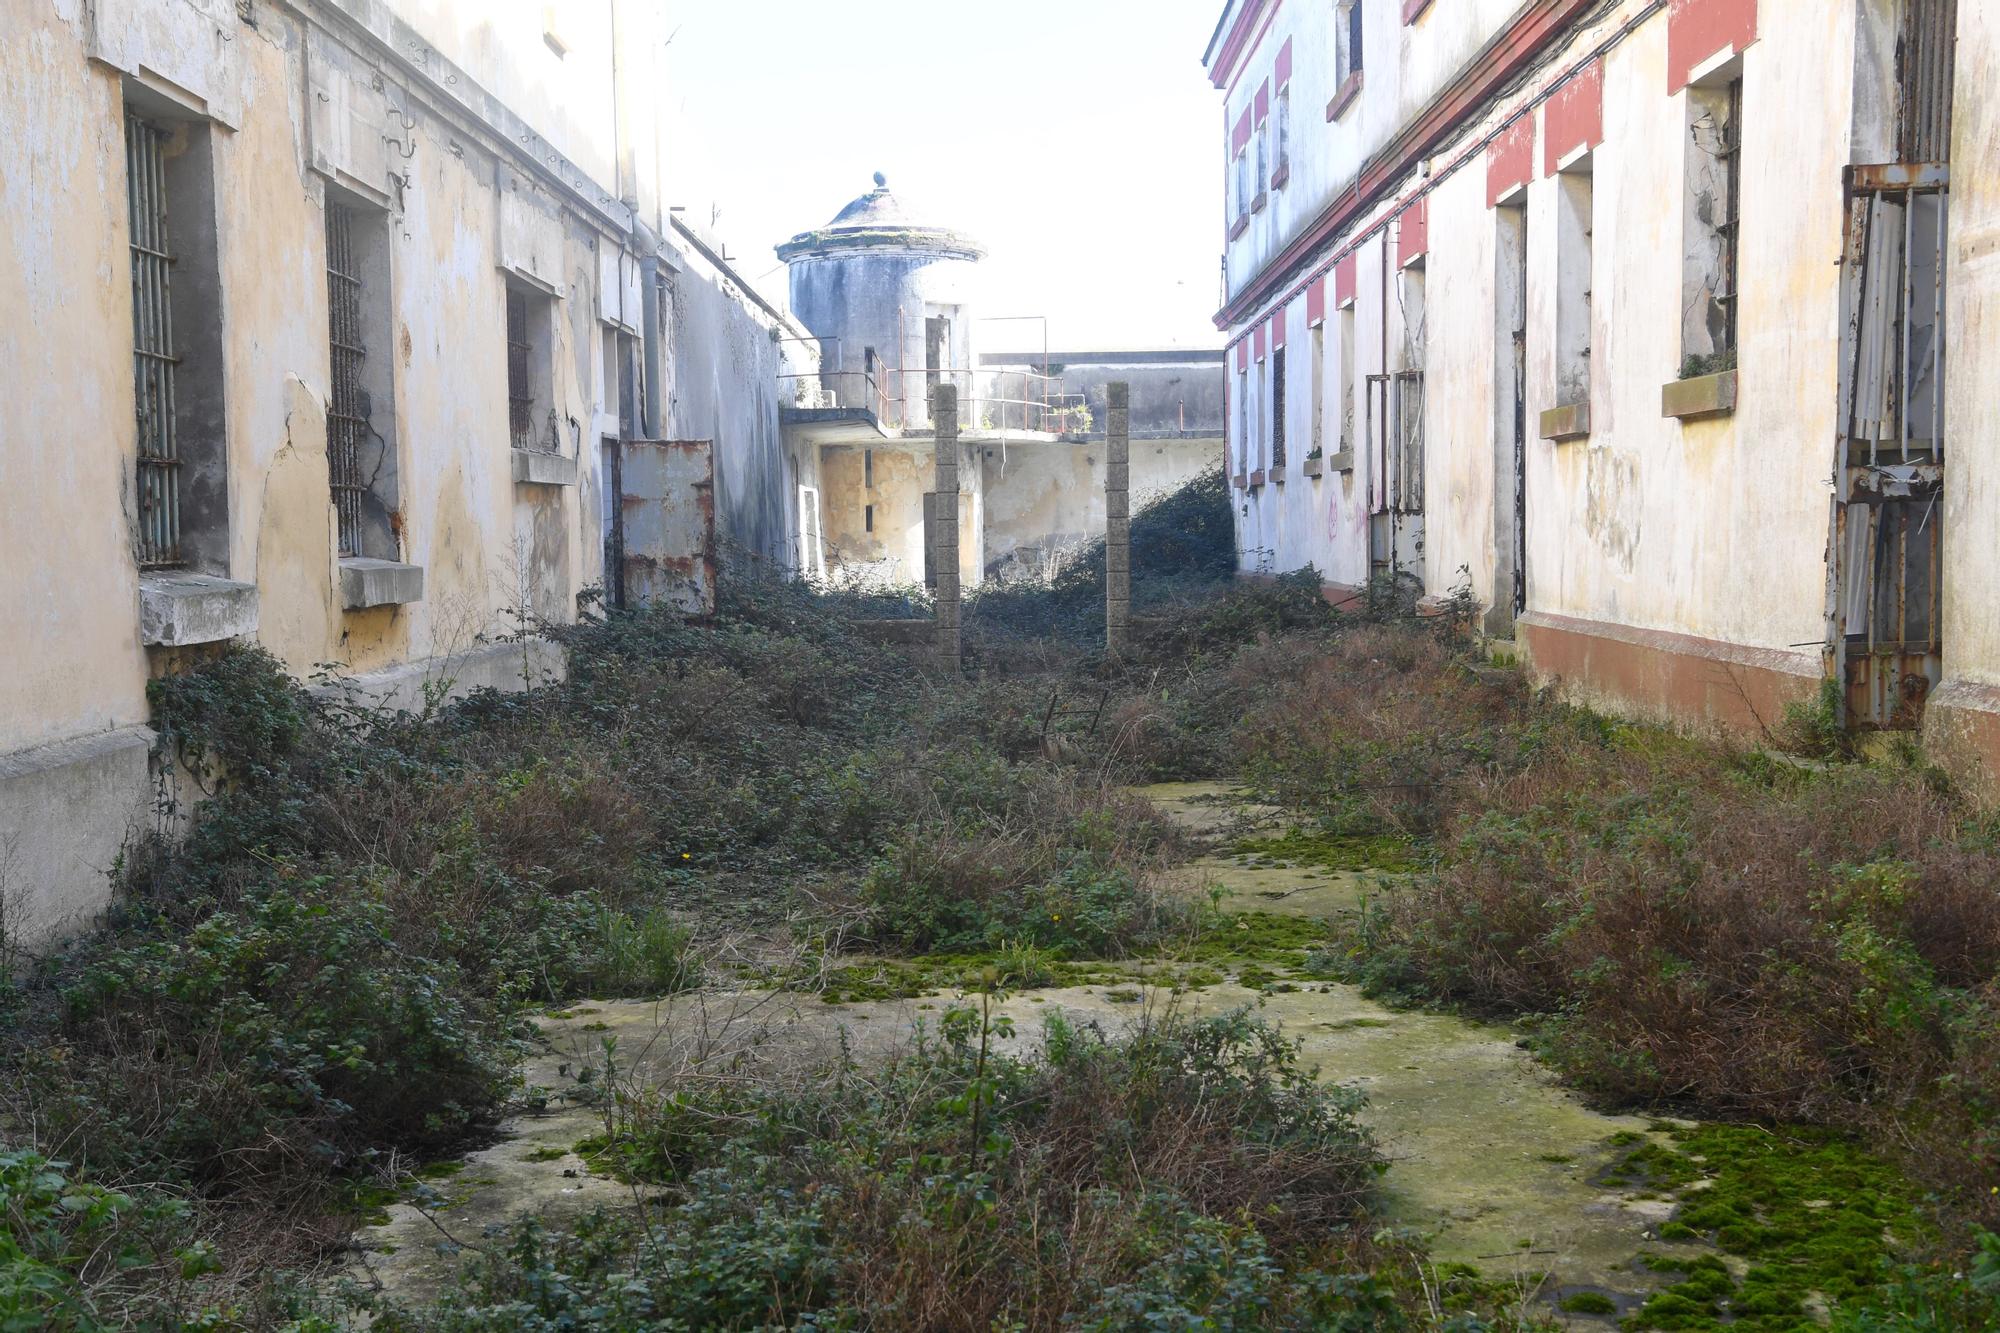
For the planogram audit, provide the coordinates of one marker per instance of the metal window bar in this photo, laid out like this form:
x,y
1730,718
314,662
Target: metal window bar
x,y
1729,149
1409,411
153,358
346,415
1925,59
1278,407
520,395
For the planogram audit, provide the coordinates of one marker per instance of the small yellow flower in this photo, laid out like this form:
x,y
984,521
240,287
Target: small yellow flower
x,y
1055,916
686,856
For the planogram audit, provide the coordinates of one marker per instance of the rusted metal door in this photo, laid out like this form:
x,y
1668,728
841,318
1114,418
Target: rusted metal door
x,y
666,522
1395,405
1883,634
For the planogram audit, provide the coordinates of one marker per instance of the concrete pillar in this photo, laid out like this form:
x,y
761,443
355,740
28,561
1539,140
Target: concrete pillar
x,y
944,524
1117,518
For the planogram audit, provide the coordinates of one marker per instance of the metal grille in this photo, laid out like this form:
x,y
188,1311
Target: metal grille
x,y
153,359
1278,407
1884,633
1730,150
1924,69
520,396
347,413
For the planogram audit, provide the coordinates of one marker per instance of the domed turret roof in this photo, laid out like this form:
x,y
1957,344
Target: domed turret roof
x,y
878,220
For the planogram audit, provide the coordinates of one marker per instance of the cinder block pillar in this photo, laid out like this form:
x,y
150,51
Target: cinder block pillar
x,y
1117,518
944,501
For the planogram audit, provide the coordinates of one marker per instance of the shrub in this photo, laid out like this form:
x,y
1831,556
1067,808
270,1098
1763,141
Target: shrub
x,y
1191,1172
76,1257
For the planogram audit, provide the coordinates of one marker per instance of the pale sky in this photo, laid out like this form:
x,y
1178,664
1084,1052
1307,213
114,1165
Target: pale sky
x,y
1078,140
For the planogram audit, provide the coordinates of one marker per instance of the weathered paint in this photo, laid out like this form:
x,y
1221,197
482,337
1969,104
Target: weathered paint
x,y
1573,120
1699,31
1962,720
1510,159
1704,538
484,155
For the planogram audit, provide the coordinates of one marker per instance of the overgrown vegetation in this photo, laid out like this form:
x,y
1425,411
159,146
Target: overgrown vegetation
x,y
328,978
1191,1175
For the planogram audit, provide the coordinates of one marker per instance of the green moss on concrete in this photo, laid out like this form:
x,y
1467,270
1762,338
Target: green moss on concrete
x,y
1389,853
1802,1217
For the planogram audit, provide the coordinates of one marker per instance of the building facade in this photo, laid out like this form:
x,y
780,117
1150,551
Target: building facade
x,y
1627,317
888,298
336,322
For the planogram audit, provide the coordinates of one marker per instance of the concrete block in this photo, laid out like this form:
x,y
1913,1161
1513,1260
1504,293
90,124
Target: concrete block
x,y
1313,467
66,812
179,609
1702,396
1118,559
1117,504
1118,423
1570,422
1117,476
534,467
366,582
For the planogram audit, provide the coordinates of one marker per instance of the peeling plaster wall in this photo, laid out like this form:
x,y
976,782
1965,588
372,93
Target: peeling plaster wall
x,y
1406,67
1962,721
297,102
857,299
1713,529
67,441
724,387
1043,500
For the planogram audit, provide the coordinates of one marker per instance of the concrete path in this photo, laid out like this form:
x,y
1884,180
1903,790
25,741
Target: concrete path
x,y
1492,1162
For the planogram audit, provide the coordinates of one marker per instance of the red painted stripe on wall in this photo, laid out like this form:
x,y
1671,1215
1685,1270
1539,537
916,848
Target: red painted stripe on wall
x,y
1283,74
1237,44
1573,117
1413,232
1243,354
1344,283
1316,301
1413,8
1263,332
1263,101
1240,138
1278,326
1510,159
1698,29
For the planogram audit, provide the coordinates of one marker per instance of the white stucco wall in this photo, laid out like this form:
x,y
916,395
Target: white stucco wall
x,y
1712,528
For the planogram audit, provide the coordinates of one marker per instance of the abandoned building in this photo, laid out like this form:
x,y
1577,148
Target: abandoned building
x,y
1630,318
356,329
888,299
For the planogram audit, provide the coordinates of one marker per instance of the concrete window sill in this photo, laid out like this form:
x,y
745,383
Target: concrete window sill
x,y
1569,422
176,610
366,583
1340,462
532,467
1278,475
1702,396
1413,10
1256,479
1343,96
1240,482
1242,225
1313,467
1257,204
1281,175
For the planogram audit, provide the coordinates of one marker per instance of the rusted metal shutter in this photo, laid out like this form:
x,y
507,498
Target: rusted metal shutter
x,y
667,523
1924,69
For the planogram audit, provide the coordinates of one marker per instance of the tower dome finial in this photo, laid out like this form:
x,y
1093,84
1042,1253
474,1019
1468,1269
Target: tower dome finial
x,y
881,181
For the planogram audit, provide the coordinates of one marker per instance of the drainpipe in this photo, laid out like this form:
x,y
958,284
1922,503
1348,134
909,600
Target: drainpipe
x,y
647,243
